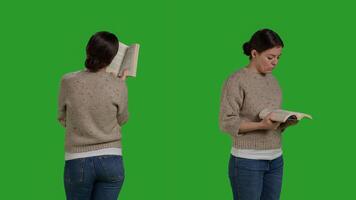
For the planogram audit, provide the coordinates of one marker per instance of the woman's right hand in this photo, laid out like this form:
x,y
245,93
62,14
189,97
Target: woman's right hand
x,y
268,124
124,74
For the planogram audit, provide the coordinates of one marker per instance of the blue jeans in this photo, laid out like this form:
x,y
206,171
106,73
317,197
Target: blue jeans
x,y
256,179
94,178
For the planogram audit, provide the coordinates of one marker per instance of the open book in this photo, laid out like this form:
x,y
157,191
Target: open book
x,y
279,115
126,58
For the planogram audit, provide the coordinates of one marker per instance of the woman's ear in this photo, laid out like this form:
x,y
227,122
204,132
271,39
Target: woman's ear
x,y
254,53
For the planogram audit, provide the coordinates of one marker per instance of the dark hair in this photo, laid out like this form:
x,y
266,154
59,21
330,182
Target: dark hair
x,y
262,40
101,49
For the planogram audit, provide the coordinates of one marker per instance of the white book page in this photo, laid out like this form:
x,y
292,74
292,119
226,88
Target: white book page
x,y
116,63
282,115
130,60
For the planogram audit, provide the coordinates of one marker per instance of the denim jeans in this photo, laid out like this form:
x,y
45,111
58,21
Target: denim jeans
x,y
256,179
94,178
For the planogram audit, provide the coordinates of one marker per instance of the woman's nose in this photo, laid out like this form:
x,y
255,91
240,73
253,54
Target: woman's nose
x,y
274,62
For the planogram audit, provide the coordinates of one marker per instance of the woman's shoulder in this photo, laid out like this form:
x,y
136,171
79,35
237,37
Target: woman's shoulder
x,y
112,81
71,75
237,76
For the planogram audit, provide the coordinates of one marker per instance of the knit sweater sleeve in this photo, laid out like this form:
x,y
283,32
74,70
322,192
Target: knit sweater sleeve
x,y
121,102
61,116
230,106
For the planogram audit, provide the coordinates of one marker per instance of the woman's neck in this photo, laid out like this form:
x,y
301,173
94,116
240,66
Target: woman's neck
x,y
252,67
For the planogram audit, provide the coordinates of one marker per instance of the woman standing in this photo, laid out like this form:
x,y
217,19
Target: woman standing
x,y
92,108
256,162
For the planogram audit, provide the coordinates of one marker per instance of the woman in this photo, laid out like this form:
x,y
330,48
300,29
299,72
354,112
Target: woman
x,y
92,108
256,162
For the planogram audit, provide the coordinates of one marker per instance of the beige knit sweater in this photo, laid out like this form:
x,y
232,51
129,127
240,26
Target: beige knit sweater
x,y
245,94
92,107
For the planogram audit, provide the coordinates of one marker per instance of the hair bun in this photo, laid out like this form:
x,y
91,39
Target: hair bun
x,y
93,64
247,48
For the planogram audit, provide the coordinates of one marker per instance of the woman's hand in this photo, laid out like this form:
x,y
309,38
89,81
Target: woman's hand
x,y
288,123
124,74
265,124
268,124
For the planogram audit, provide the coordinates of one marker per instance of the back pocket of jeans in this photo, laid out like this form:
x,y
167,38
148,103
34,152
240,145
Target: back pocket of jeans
x,y
74,171
113,167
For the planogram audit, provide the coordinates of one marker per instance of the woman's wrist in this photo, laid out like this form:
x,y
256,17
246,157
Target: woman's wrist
x,y
261,125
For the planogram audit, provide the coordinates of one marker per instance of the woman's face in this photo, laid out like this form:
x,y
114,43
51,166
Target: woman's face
x,y
267,60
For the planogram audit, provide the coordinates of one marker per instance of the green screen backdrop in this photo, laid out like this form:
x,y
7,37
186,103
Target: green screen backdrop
x,y
172,146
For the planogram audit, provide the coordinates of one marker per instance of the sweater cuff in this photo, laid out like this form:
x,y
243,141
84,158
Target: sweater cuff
x,y
232,127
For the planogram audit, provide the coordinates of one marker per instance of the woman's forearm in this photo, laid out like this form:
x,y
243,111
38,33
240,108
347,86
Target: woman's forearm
x,y
246,127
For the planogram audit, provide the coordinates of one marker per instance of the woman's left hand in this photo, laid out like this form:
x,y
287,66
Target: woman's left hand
x,y
288,123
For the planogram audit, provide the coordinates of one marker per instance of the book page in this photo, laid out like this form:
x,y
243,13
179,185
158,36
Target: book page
x,y
302,115
282,115
130,60
297,114
263,114
116,63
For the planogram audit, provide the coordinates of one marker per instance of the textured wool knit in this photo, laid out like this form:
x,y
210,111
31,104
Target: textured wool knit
x,y
245,94
92,106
